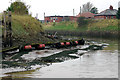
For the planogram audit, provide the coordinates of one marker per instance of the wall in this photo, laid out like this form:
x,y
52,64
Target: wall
x,y
104,17
59,18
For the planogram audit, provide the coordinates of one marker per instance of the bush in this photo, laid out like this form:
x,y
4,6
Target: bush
x,y
54,23
82,22
118,14
18,8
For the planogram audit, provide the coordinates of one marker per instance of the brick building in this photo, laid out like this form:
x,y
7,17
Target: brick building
x,y
59,18
107,14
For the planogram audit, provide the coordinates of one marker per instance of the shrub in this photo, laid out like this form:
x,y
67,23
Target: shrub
x,y
82,21
118,14
18,8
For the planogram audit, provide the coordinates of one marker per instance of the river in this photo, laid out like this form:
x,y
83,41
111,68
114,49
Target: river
x,y
69,63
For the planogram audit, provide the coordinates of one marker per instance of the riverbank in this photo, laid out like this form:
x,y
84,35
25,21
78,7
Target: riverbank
x,y
94,28
105,62
91,34
26,30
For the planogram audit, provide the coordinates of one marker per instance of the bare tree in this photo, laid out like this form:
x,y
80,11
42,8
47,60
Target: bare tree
x,y
87,7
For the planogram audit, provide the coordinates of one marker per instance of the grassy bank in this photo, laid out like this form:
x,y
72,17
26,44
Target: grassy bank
x,y
95,28
93,25
24,26
60,26
103,25
27,30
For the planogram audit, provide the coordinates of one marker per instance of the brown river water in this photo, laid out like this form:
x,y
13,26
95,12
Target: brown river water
x,y
79,64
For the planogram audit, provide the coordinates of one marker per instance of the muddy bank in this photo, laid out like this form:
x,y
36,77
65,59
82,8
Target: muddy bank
x,y
91,34
49,64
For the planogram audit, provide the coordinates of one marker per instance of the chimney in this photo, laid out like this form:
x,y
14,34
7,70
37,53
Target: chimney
x,y
73,12
111,7
80,9
44,15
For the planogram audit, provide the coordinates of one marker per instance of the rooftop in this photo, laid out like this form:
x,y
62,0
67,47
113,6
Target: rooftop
x,y
109,11
86,14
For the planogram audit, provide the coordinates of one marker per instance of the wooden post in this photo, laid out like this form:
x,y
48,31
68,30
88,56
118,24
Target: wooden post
x,y
10,28
5,32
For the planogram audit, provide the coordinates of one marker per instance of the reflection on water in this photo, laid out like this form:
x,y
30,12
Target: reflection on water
x,y
72,63
98,64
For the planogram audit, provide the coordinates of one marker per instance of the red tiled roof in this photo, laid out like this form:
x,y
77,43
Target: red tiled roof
x,y
86,14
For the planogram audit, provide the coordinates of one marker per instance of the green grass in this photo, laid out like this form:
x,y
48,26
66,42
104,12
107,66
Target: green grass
x,y
25,25
93,25
103,25
109,28
61,26
18,30
67,26
26,30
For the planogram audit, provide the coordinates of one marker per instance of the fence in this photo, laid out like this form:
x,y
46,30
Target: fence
x,y
6,29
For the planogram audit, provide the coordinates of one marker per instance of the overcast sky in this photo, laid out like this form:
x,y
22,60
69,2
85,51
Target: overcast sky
x,y
60,7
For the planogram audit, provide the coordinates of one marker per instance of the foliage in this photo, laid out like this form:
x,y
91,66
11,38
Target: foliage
x,y
53,23
94,10
82,22
87,7
18,7
118,13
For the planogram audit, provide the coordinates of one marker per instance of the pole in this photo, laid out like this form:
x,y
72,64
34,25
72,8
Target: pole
x,y
44,16
80,9
4,18
10,28
73,12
